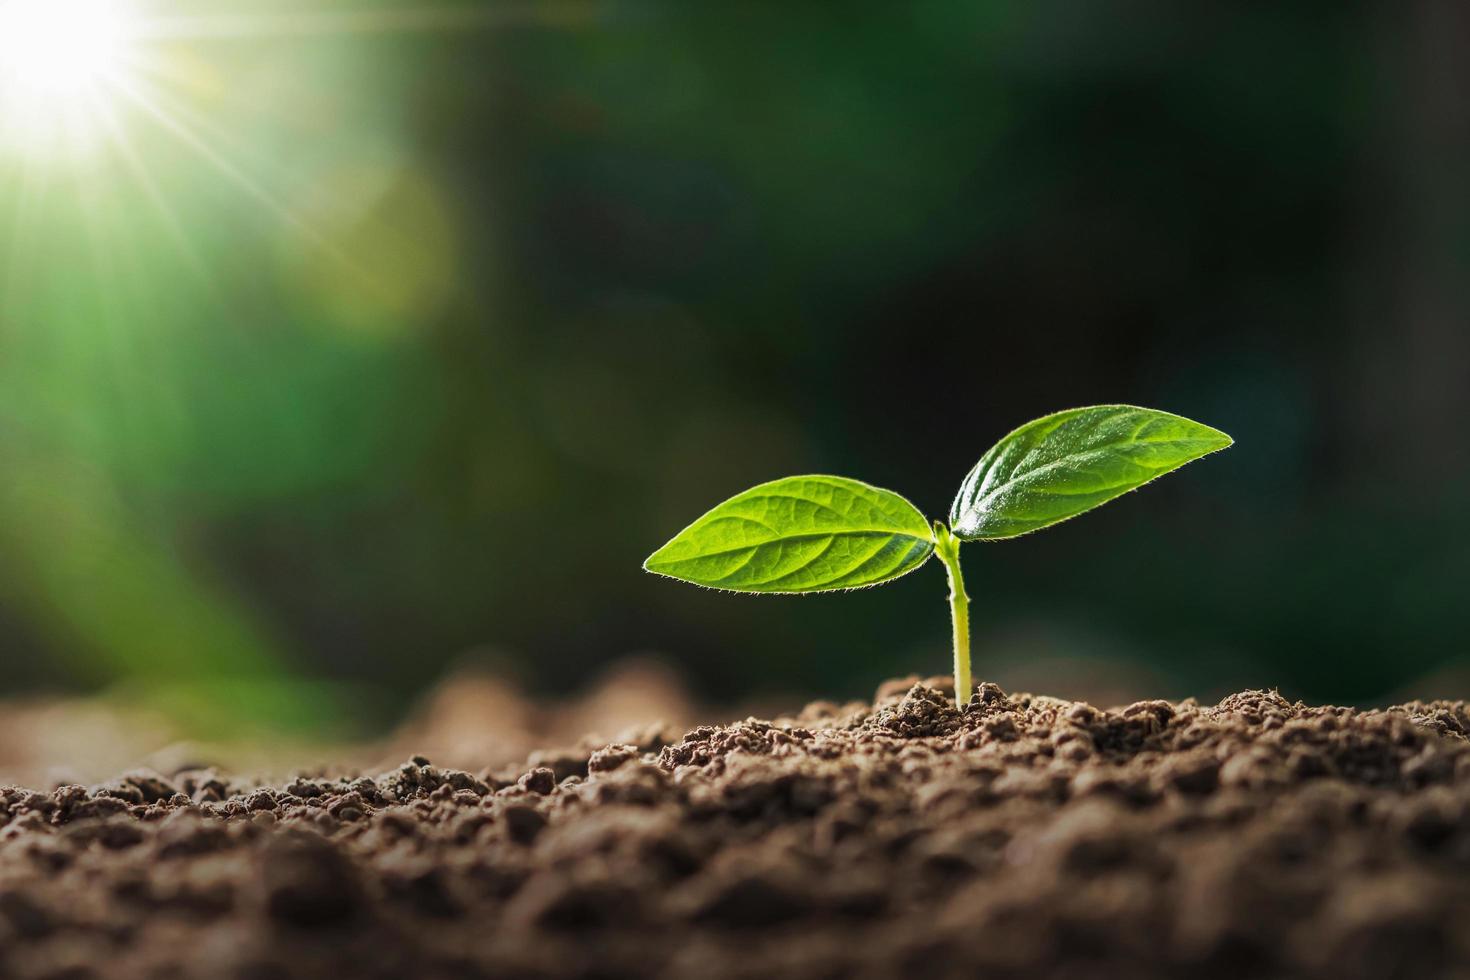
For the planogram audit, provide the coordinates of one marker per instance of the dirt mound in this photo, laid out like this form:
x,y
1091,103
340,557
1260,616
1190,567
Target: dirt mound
x,y
1024,836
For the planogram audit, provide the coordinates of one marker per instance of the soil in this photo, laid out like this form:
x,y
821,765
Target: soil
x,y
1023,837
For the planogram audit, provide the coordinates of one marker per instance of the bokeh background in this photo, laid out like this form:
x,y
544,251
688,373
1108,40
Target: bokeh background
x,y
368,342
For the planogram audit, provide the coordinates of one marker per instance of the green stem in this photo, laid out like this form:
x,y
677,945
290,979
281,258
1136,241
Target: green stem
x,y
947,547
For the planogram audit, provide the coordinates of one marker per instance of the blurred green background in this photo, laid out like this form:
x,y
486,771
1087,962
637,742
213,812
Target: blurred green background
x,y
355,341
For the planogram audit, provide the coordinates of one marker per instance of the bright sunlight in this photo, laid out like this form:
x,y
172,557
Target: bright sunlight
x,y
52,48
57,60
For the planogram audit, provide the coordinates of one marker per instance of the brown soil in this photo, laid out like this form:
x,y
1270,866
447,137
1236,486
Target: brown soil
x,y
1024,837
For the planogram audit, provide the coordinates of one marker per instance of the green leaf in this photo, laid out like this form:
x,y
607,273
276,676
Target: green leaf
x,y
800,534
1065,464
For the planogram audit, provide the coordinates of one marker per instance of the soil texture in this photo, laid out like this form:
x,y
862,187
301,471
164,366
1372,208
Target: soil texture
x,y
1024,836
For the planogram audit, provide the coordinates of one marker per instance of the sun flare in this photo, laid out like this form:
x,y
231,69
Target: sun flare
x,y
58,59
59,48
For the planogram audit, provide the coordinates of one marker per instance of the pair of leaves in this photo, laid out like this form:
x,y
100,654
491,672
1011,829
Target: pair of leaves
x,y
823,533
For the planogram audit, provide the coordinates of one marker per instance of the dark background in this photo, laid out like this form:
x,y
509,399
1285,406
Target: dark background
x,y
612,263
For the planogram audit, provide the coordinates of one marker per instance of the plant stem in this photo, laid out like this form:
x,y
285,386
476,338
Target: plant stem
x,y
947,547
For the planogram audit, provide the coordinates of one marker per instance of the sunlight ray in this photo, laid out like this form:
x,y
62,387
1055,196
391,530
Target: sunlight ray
x,y
167,216
34,181
306,23
109,255
235,175
224,141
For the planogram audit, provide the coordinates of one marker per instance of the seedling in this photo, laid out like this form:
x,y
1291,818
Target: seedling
x,y
829,533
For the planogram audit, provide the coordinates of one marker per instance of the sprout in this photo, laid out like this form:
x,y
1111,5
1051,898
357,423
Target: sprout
x,y
829,533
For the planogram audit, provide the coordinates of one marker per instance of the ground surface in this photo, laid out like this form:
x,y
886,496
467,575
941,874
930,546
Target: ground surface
x,y
1023,837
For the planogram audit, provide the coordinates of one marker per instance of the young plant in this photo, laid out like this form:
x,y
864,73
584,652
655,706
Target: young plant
x,y
829,533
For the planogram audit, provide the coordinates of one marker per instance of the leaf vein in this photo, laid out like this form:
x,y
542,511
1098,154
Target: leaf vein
x,y
802,536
